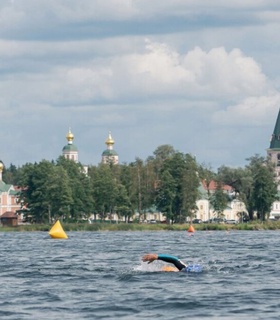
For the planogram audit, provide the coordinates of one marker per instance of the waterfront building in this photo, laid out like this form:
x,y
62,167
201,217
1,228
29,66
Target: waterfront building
x,y
9,196
234,210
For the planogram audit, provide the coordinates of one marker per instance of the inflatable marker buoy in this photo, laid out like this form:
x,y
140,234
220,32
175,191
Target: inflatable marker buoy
x,y
191,229
57,231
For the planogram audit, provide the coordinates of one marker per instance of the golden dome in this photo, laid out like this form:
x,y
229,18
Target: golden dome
x,y
70,136
109,140
1,166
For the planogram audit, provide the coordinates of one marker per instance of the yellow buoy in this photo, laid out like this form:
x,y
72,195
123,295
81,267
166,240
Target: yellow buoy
x,y
191,229
57,231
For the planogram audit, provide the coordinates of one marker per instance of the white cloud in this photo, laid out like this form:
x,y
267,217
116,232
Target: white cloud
x,y
89,64
156,71
162,70
252,111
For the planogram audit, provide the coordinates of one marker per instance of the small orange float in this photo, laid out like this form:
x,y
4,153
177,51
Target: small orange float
x,y
191,229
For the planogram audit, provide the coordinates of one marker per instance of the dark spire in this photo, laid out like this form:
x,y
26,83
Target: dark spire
x,y
275,139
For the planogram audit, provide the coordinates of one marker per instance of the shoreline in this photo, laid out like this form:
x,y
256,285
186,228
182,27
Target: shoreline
x,y
98,226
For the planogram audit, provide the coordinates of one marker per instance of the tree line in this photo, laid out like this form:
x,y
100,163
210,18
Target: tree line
x,y
168,180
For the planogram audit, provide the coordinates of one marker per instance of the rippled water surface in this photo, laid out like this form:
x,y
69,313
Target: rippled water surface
x,y
99,275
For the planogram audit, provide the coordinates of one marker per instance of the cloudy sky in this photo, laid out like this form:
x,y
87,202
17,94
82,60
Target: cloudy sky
x,y
200,75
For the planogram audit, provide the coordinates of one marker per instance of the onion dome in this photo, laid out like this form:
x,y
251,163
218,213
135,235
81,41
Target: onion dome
x,y
70,147
109,153
70,136
109,140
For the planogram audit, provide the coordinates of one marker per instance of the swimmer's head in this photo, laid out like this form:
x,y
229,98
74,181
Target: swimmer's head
x,y
169,269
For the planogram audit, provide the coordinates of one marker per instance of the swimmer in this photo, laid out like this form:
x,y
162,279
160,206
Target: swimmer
x,y
178,264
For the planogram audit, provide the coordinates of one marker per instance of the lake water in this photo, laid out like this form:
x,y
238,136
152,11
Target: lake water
x,y
99,275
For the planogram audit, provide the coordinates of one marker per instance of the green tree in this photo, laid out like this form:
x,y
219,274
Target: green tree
x,y
207,175
83,203
178,187
219,199
10,174
123,204
166,193
138,186
264,191
34,183
241,180
126,180
105,191
190,185
163,152
149,181
59,194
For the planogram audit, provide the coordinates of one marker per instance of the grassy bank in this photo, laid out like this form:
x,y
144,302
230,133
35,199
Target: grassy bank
x,y
255,225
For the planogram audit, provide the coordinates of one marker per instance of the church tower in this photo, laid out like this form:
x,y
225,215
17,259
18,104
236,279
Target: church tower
x,y
70,151
274,149
1,170
110,155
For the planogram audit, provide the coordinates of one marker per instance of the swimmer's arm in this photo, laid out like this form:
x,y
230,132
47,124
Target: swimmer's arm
x,y
171,259
150,257
164,257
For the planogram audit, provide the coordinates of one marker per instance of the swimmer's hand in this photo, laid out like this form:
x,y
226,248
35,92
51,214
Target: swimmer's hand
x,y
150,257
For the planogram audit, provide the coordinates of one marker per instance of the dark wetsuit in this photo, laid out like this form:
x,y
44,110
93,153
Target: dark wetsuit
x,y
171,259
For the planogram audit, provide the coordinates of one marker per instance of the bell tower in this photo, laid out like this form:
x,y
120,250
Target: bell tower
x,y
1,170
110,155
273,151
70,151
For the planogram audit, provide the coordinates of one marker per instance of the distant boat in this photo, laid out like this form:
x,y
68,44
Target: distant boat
x,y
57,231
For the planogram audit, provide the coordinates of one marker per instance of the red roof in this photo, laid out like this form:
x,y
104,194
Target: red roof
x,y
9,214
213,186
